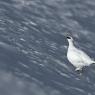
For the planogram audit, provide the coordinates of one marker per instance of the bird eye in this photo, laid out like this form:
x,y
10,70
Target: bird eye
x,y
68,37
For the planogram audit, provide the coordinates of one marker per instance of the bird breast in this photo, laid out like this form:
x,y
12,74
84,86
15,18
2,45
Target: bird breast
x,y
75,58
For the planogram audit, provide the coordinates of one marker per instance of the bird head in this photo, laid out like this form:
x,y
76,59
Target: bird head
x,y
69,38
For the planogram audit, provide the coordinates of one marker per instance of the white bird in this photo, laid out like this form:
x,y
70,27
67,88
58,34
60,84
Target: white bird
x,y
77,57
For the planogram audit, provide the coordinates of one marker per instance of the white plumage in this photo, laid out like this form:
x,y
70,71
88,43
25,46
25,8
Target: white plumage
x,y
77,57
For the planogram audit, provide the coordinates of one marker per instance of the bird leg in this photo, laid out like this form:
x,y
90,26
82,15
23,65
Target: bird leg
x,y
79,70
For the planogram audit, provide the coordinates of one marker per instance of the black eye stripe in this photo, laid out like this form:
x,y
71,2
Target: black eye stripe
x,y
68,37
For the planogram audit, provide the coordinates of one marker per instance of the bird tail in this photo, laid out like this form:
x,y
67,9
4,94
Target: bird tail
x,y
93,62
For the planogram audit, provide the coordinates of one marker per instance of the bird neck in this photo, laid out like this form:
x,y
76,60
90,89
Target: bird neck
x,y
71,43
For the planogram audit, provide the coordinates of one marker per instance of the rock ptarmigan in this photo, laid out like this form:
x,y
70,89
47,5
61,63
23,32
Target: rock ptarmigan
x,y
77,57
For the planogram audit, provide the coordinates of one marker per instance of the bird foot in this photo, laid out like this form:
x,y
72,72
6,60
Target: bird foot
x,y
79,71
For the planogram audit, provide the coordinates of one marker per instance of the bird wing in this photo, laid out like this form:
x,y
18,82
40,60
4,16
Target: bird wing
x,y
84,56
